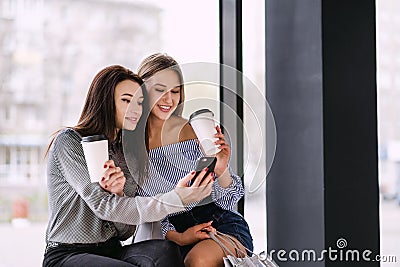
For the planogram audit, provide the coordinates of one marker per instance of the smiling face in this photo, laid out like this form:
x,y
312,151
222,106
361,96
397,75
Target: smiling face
x,y
128,99
164,93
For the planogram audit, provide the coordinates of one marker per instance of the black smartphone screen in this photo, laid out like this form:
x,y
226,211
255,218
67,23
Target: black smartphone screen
x,y
202,163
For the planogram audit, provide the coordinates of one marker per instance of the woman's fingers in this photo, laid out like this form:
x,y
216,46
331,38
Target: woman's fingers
x,y
220,136
117,187
210,229
204,225
185,180
207,180
222,147
197,181
110,176
204,228
195,192
109,163
113,179
116,179
110,171
219,131
220,142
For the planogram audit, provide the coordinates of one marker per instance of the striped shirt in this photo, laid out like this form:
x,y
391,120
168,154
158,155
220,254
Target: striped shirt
x,y
81,211
170,163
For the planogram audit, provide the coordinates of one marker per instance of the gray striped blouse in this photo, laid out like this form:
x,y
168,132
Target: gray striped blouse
x,y
81,211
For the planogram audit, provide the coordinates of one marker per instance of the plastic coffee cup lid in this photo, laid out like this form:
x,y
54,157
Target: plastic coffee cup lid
x,y
94,138
200,111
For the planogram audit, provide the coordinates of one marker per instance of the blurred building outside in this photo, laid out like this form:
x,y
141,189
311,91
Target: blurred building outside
x,y
388,65
44,81
50,50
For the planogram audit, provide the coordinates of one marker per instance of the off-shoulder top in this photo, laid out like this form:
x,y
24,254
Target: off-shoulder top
x,y
168,164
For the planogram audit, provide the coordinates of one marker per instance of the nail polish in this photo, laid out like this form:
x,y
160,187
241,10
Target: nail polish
x,y
105,166
102,179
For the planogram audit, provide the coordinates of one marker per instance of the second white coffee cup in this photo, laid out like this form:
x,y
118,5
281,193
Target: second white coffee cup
x,y
203,124
95,148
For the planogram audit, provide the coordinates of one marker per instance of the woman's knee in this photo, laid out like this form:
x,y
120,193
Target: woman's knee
x,y
198,260
205,253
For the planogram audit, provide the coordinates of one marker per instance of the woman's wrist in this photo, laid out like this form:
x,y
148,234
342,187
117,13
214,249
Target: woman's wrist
x,y
221,172
225,179
174,236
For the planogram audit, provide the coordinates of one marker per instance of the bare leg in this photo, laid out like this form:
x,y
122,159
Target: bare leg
x,y
209,253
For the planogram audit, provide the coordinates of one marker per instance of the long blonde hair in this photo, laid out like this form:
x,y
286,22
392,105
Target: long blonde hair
x,y
158,62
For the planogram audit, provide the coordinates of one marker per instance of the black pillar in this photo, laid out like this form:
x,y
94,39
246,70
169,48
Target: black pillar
x,y
231,81
321,86
295,198
350,126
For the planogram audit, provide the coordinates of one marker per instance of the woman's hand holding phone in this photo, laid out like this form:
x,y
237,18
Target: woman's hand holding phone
x,y
199,188
202,163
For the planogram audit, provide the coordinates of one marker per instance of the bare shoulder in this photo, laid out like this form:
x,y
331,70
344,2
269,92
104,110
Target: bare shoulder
x,y
184,128
177,121
187,133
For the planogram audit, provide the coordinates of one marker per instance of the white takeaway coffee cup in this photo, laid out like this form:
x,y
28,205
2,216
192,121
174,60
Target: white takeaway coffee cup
x,y
95,148
203,124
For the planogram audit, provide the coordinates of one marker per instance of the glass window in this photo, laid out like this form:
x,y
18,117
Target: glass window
x,y
49,53
389,127
255,111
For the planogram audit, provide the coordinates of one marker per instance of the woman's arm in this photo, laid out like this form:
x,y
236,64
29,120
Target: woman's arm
x,y
228,188
228,197
124,230
68,154
192,235
166,226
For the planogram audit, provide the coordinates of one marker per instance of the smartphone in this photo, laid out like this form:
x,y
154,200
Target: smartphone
x,y
201,164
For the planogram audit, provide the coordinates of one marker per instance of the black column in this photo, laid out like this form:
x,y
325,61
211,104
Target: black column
x,y
231,81
321,85
350,126
295,199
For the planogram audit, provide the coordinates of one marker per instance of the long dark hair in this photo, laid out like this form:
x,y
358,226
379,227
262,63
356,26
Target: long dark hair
x,y
98,113
158,62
